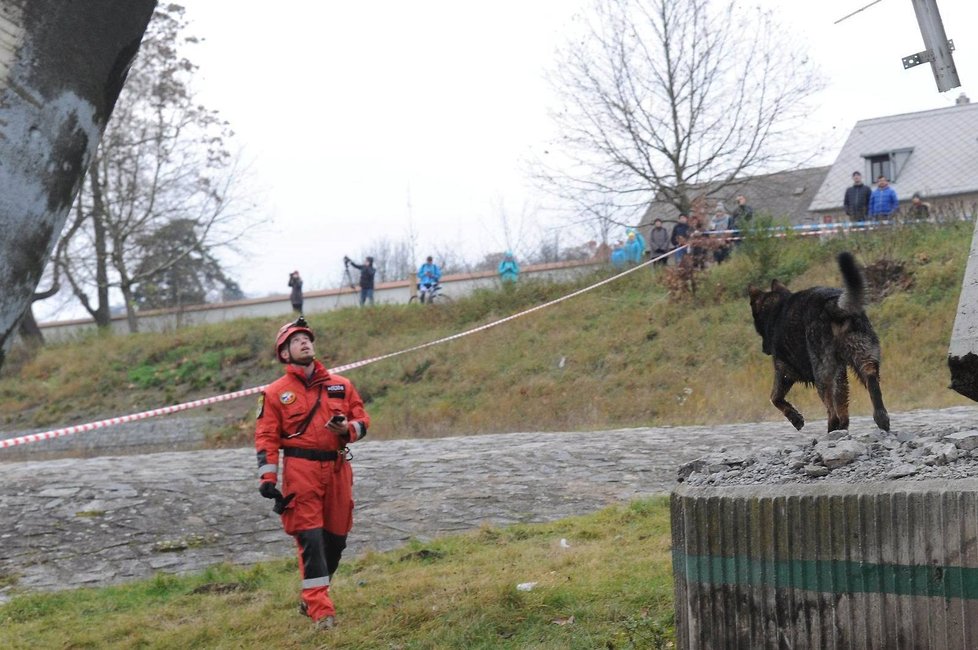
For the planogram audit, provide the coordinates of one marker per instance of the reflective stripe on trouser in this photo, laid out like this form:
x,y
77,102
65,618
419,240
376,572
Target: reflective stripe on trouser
x,y
319,556
315,576
319,517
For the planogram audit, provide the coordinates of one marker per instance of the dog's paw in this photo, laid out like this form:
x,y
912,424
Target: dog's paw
x,y
797,421
882,420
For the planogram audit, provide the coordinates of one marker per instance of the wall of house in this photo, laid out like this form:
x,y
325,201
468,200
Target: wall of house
x,y
399,292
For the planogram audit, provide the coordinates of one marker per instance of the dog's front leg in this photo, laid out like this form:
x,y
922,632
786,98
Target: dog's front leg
x,y
782,384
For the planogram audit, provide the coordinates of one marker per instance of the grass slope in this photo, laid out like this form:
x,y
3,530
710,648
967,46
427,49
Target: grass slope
x,y
608,586
623,355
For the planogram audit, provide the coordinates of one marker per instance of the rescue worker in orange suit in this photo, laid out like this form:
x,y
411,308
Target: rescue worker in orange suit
x,y
307,418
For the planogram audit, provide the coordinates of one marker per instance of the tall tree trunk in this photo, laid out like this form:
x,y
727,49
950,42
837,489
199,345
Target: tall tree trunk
x,y
64,66
101,313
131,318
29,331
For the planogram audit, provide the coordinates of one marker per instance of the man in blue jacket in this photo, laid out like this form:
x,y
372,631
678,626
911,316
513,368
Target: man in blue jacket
x,y
428,276
883,201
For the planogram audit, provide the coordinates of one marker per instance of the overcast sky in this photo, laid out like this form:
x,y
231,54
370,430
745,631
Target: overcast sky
x,y
359,117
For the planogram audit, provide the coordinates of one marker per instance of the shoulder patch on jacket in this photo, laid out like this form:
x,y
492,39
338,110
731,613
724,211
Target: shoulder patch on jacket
x,y
287,397
336,390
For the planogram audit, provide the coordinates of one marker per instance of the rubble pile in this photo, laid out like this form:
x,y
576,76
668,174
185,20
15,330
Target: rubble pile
x,y
845,457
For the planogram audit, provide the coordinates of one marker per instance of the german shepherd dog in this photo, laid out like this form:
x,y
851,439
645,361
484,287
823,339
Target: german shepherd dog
x,y
813,335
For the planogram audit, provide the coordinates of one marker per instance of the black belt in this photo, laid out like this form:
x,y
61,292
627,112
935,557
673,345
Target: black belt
x,y
309,454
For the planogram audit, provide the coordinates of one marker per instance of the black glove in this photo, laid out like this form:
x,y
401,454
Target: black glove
x,y
269,491
282,503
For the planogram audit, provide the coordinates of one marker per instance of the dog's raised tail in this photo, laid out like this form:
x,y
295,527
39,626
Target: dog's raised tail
x,y
853,295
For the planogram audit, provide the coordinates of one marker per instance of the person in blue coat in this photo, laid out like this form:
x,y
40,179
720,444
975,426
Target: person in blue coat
x,y
619,256
428,276
883,201
509,270
634,246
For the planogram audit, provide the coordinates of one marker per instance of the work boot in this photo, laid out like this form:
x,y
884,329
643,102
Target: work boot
x,y
326,623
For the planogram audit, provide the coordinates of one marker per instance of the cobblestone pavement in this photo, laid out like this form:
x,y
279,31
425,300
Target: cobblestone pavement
x,y
72,522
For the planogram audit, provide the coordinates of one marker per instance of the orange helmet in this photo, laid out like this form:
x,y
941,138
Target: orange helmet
x,y
287,330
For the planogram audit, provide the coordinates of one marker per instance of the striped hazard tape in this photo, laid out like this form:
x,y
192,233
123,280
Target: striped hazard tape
x,y
176,408
167,410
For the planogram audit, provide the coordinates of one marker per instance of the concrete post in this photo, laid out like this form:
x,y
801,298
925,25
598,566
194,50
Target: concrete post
x,y
963,354
868,566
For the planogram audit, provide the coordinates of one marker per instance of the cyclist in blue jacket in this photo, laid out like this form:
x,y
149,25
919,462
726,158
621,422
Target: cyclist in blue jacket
x,y
428,276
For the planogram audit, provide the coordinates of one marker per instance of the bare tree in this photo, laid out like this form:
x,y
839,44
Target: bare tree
x,y
660,95
162,160
392,259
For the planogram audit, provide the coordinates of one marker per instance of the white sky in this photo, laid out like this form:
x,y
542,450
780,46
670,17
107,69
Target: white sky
x,y
359,117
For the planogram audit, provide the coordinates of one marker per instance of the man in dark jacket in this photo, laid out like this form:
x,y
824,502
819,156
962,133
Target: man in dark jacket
x,y
295,282
856,201
367,271
680,235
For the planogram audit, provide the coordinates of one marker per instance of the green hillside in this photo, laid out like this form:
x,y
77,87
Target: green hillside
x,y
623,355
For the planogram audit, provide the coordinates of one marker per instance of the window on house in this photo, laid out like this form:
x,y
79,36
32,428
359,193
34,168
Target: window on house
x,y
880,166
890,164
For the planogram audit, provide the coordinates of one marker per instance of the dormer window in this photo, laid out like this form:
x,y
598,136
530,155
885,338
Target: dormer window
x,y
889,164
880,166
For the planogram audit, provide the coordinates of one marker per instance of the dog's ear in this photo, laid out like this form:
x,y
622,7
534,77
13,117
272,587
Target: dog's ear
x,y
777,286
753,292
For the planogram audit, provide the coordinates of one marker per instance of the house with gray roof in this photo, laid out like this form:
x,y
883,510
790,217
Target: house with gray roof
x,y
782,195
933,153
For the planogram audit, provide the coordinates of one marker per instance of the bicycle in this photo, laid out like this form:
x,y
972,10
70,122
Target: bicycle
x,y
431,296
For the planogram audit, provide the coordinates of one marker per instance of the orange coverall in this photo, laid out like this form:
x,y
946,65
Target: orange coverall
x,y
314,468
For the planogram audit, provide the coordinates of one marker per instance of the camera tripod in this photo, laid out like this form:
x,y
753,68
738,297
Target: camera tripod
x,y
349,279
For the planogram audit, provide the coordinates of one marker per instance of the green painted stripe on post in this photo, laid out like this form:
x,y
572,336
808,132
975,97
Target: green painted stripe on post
x,y
830,576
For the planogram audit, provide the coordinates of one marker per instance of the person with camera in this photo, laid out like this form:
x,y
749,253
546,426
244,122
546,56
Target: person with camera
x,y
428,277
308,417
367,271
295,282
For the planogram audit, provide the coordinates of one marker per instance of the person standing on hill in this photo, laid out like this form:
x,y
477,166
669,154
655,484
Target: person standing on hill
x,y
367,272
919,210
680,235
742,215
295,282
508,269
659,242
308,417
883,201
634,246
720,224
856,200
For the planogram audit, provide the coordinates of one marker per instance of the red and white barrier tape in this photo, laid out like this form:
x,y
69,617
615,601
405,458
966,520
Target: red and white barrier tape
x,y
166,410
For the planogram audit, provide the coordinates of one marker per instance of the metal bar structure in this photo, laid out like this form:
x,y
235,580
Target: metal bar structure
x,y
937,47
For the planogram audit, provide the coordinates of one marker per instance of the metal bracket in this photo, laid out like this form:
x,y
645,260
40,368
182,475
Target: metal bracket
x,y
923,57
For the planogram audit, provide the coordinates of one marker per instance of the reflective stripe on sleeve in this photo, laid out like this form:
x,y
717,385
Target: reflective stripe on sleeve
x,y
361,430
267,469
312,583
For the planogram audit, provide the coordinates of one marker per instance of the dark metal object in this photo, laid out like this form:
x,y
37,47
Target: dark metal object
x,y
938,48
